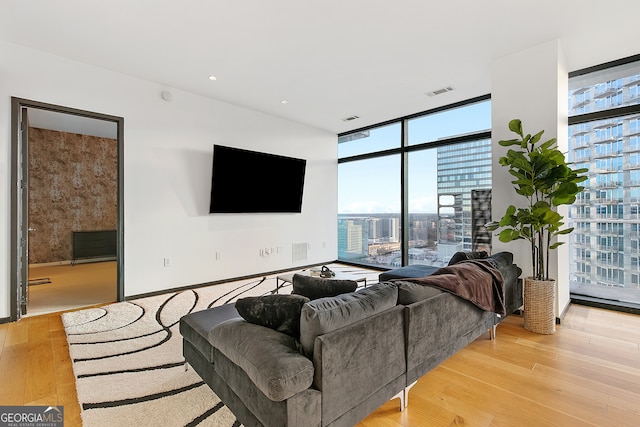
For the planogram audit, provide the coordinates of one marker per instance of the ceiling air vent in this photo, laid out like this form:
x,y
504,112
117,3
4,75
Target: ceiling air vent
x,y
440,91
348,119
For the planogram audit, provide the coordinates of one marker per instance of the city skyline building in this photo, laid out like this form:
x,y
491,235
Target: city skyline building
x,y
375,238
404,186
462,168
604,244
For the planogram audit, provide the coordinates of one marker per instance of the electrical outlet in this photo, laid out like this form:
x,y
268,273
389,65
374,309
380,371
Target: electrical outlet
x,y
167,262
218,256
265,252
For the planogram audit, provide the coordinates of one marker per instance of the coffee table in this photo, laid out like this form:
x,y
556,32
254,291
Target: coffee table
x,y
288,277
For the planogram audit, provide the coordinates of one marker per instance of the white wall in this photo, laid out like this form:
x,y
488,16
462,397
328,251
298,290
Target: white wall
x,y
167,169
532,86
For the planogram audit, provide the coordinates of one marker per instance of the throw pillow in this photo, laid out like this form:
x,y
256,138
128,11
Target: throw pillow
x,y
317,287
278,312
462,256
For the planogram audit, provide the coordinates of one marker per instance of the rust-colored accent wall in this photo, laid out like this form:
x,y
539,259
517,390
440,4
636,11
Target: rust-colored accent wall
x,y
72,187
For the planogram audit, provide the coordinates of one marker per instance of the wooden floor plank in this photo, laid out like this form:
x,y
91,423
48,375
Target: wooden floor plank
x,y
3,336
17,333
13,367
40,375
548,392
500,401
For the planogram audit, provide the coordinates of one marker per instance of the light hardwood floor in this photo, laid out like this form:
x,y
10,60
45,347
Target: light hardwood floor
x,y
587,374
72,286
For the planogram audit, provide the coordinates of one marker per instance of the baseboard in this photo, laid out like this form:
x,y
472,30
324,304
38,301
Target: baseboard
x,y
5,320
563,313
73,262
49,264
92,260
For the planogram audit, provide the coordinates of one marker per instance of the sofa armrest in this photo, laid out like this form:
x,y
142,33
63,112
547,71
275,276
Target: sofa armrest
x,y
269,358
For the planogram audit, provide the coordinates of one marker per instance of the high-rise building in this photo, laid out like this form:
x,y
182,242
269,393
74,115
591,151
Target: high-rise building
x,y
353,235
604,244
462,167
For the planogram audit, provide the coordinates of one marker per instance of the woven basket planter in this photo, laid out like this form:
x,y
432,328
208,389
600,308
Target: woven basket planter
x,y
539,306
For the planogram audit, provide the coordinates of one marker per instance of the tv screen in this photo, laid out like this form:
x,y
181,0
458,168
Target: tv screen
x,y
244,181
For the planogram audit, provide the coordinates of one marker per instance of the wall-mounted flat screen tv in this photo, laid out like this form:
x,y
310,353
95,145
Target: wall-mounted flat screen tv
x,y
244,181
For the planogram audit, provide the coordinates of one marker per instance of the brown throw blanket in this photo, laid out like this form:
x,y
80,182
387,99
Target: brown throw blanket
x,y
476,281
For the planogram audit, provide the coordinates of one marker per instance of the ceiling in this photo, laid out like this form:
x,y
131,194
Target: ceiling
x,y
62,122
329,59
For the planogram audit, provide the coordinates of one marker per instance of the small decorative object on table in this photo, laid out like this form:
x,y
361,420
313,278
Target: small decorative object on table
x,y
326,272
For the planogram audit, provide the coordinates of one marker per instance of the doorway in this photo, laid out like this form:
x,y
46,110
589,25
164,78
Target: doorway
x,y
59,248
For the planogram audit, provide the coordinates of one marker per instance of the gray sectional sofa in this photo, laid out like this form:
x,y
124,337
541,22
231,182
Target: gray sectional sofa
x,y
354,352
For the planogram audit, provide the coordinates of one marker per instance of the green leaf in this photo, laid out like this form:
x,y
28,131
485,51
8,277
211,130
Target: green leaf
x,y
547,144
509,142
507,220
492,226
509,234
535,138
565,231
515,126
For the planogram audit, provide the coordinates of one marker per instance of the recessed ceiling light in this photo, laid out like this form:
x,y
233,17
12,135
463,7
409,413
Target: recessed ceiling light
x,y
212,78
284,101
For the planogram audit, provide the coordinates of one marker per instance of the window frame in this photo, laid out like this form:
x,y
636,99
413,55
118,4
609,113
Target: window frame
x,y
404,149
612,212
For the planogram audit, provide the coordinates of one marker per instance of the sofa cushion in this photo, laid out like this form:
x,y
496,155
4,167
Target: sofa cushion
x,y
501,260
269,358
195,327
462,256
328,314
408,292
317,287
278,312
414,270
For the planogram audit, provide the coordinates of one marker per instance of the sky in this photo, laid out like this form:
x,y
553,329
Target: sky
x,y
373,186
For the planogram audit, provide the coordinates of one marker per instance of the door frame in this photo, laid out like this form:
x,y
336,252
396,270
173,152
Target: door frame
x,y
17,178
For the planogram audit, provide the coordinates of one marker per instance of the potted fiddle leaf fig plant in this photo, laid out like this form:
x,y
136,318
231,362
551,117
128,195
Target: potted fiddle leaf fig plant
x,y
545,180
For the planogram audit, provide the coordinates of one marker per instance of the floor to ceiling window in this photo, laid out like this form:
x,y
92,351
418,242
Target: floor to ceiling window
x,y
405,187
604,136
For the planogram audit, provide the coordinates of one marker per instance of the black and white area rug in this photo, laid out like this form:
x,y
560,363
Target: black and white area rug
x,y
128,363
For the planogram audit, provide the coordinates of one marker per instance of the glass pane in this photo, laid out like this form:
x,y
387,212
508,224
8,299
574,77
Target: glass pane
x,y
467,119
369,211
441,181
370,141
602,90
604,244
